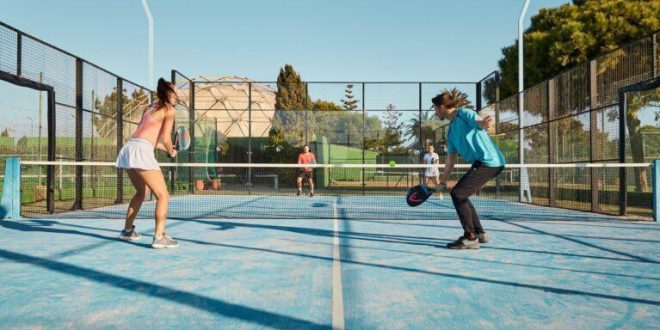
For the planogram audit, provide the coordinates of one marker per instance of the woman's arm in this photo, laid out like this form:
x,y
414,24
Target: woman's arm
x,y
161,146
166,134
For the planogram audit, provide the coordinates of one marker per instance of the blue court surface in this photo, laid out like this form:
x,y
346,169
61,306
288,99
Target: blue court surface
x,y
555,271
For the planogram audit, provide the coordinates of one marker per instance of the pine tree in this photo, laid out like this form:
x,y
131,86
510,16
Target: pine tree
x,y
291,91
393,127
350,103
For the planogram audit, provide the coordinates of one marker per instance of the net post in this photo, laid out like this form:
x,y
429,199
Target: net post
x,y
52,143
10,205
120,138
593,127
552,104
191,149
623,190
655,167
77,203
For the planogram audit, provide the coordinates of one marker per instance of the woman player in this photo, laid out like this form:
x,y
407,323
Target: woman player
x,y
432,159
138,159
468,137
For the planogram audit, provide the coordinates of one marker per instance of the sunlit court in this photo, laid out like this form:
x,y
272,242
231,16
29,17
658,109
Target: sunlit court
x,y
335,165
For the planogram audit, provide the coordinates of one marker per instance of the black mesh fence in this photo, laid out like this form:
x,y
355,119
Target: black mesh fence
x,y
94,112
576,117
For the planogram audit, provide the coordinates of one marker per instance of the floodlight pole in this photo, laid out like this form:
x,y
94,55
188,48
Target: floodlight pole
x,y
150,42
521,97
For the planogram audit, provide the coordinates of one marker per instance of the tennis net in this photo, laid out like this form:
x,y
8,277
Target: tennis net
x,y
352,191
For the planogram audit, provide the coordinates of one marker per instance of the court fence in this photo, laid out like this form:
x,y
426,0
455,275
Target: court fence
x,y
602,111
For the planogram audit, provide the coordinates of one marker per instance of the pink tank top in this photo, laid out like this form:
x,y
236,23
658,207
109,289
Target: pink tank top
x,y
149,126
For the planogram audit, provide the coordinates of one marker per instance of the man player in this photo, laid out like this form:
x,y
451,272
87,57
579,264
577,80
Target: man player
x,y
468,136
306,157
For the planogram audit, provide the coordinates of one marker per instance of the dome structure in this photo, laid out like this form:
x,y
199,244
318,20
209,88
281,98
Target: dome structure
x,y
225,100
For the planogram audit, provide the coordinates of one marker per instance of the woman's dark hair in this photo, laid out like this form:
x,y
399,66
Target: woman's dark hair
x,y
445,99
163,90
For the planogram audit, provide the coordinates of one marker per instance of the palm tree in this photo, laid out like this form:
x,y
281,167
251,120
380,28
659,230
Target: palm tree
x,y
430,123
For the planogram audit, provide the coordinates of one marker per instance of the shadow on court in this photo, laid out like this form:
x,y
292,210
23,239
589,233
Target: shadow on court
x,y
278,273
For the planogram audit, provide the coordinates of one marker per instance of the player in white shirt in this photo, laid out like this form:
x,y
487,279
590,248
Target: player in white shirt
x,y
432,172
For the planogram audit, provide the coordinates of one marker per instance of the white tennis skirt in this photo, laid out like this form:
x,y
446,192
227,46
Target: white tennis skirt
x,y
137,154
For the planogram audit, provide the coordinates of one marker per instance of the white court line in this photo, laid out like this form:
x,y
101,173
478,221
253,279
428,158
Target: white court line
x,y
337,295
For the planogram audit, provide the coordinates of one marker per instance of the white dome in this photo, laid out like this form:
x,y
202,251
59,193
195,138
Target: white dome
x,y
226,99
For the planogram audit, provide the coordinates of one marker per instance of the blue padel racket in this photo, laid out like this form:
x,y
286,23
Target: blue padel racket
x,y
181,139
418,195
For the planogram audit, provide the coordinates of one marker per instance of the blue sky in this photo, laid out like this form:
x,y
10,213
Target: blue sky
x,y
412,40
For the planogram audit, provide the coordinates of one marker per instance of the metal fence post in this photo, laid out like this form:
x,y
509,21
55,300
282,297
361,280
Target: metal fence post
x,y
623,190
249,178
171,170
78,201
120,138
498,180
421,136
552,139
593,129
656,186
306,126
522,174
364,117
193,135
19,54
478,100
52,144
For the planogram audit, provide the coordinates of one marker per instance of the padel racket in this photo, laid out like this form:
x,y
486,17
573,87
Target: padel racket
x,y
181,139
418,195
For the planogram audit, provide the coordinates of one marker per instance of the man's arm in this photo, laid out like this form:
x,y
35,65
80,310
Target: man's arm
x,y
449,166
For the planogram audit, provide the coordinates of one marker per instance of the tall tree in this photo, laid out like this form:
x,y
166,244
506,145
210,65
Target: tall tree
x,y
562,37
291,98
350,103
291,91
5,132
393,125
